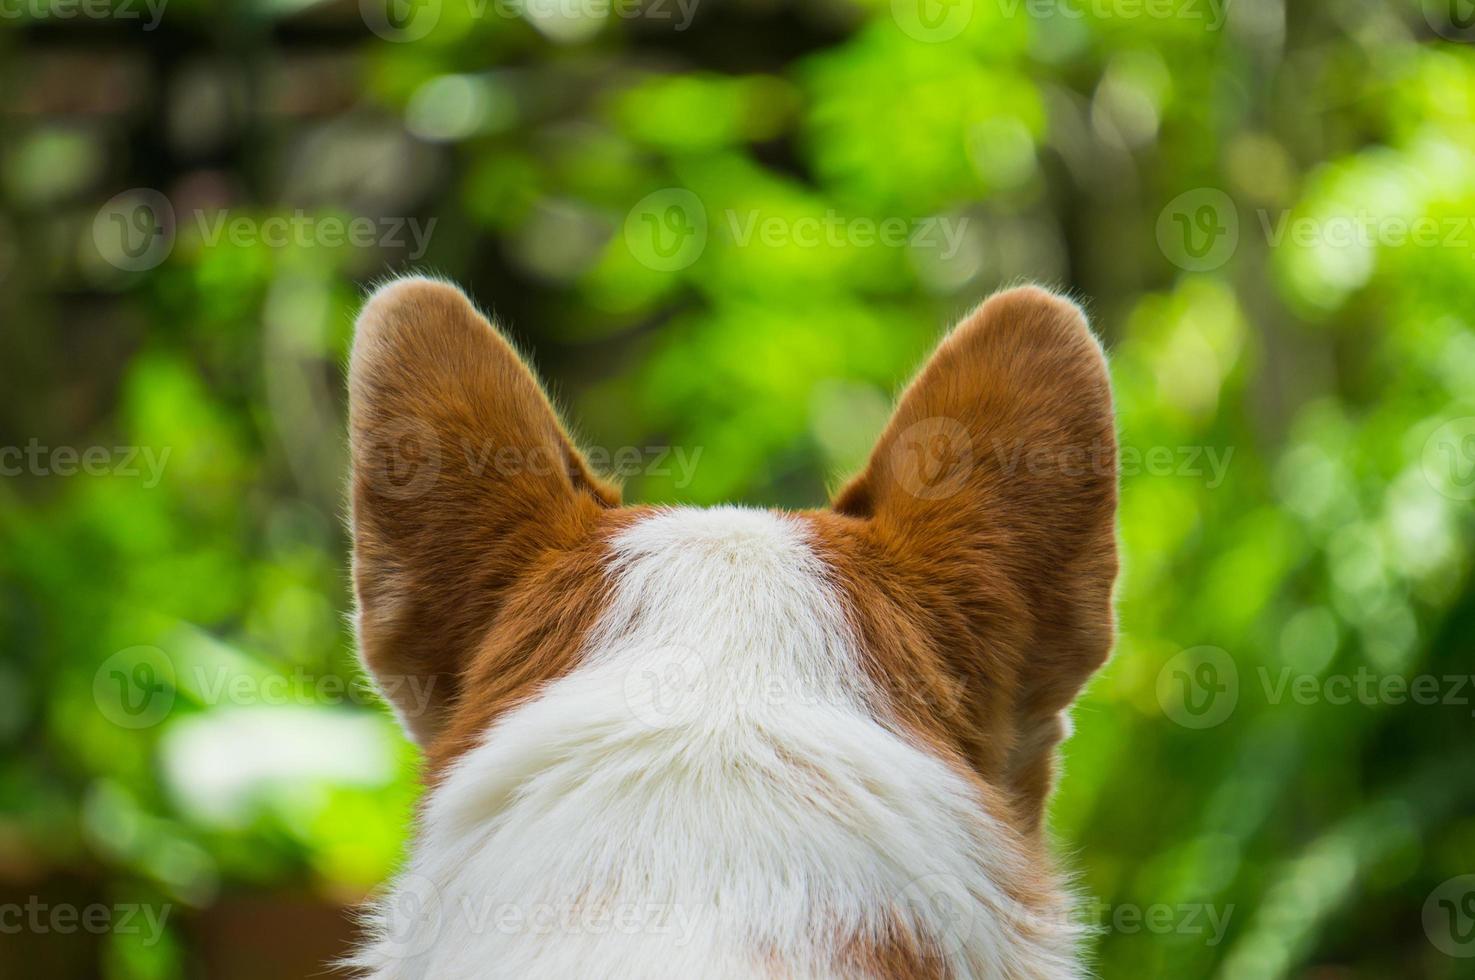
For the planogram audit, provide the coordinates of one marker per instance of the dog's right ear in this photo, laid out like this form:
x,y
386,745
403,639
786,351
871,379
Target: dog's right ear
x,y
462,476
993,492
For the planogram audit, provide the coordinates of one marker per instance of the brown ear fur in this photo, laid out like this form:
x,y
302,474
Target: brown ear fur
x,y
980,540
462,477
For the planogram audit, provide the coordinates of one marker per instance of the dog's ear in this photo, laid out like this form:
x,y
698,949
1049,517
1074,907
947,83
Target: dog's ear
x,y
995,484
462,477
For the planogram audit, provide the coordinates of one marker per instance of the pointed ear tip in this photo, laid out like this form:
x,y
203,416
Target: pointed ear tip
x,y
1032,297
414,319
395,296
1040,307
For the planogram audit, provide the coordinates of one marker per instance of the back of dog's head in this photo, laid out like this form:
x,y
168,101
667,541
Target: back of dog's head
x,y
731,742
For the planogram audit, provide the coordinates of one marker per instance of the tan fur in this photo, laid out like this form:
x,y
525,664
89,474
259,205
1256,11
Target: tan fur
x,y
464,485
976,553
984,609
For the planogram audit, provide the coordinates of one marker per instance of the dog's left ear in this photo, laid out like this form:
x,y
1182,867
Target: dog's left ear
x,y
993,492
462,477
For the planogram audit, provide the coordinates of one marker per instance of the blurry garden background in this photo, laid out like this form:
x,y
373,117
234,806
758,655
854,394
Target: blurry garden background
x,y
726,231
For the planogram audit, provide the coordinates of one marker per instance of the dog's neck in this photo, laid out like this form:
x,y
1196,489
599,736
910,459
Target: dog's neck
x,y
718,791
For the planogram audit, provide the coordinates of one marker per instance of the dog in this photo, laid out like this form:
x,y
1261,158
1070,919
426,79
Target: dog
x,y
730,742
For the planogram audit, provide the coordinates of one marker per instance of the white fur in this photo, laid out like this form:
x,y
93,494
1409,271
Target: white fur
x,y
710,794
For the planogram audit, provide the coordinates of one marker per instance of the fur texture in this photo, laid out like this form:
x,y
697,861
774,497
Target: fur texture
x,y
731,743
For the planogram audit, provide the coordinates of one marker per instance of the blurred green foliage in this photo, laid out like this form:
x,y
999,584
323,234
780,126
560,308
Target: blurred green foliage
x,y
1268,208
